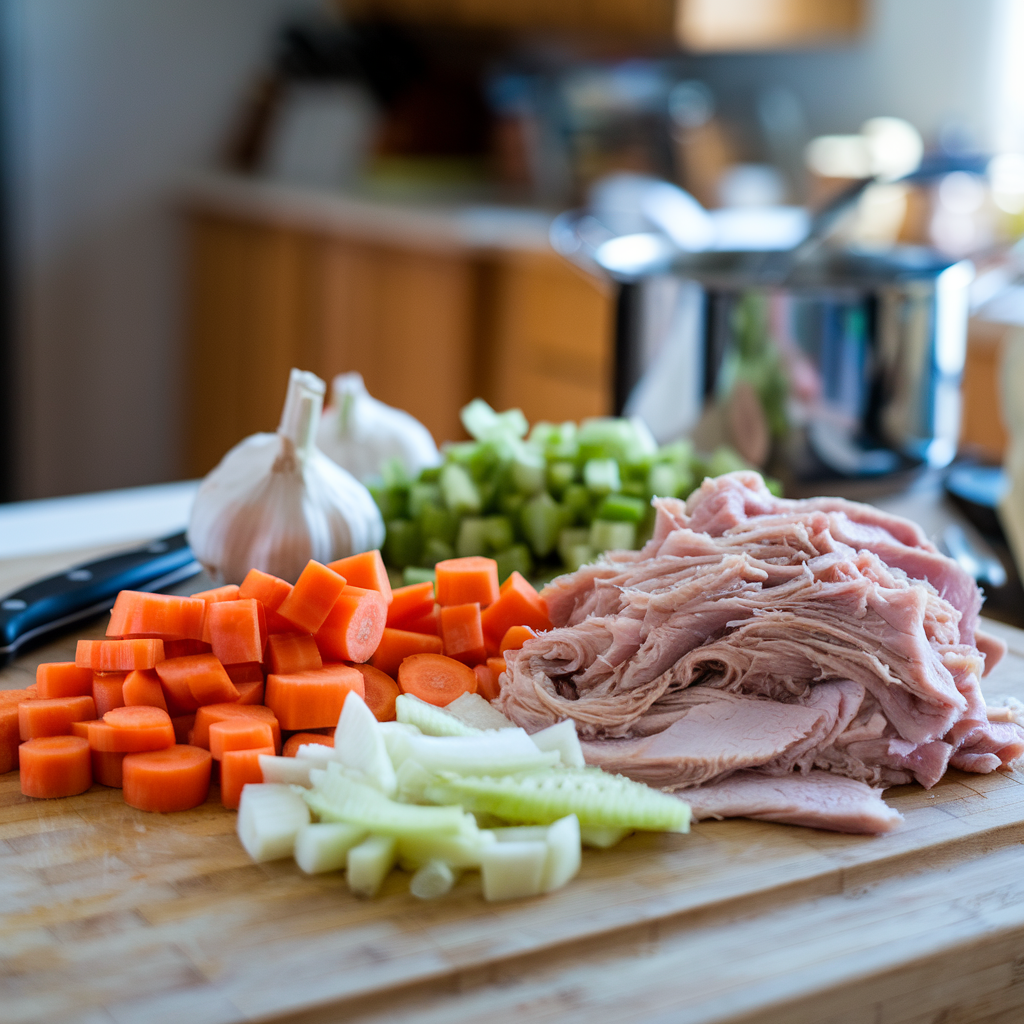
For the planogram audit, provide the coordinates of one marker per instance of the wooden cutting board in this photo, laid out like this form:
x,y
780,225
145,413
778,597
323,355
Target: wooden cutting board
x,y
108,914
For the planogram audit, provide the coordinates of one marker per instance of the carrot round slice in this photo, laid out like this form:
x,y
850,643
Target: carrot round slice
x,y
120,655
354,626
164,615
435,679
464,580
53,717
63,679
108,768
206,716
54,766
131,729
381,692
174,779
239,734
398,644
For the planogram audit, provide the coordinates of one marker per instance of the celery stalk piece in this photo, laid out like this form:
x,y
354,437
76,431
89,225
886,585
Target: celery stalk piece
x,y
475,711
472,538
725,460
571,537
403,543
435,551
324,846
528,470
287,771
459,491
564,856
391,501
594,796
576,503
516,558
435,878
612,536
664,481
421,495
430,720
496,753
542,518
513,870
602,837
563,739
336,797
269,818
479,419
438,523
560,475
359,744
498,533
418,574
601,476
465,850
622,508
577,555
368,864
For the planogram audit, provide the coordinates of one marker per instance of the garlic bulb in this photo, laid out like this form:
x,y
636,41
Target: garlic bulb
x,y
275,501
361,434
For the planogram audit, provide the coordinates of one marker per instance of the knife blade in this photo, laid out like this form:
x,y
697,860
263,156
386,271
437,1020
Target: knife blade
x,y
48,605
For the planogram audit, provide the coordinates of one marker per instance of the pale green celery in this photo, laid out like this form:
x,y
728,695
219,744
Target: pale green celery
x,y
528,470
516,558
513,870
495,753
678,453
578,555
421,495
561,738
594,796
393,473
576,502
601,476
287,771
564,855
623,508
269,818
560,475
434,879
418,574
436,550
627,440
663,481
324,846
430,720
602,837
437,522
459,492
484,424
359,744
542,518
570,537
606,535
472,539
473,710
335,797
460,851
368,864
498,533
725,460
459,451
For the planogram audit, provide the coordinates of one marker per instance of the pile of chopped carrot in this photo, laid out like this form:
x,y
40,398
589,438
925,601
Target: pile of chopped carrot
x,y
186,690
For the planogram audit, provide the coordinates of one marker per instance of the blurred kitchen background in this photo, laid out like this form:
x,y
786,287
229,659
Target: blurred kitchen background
x,y
789,226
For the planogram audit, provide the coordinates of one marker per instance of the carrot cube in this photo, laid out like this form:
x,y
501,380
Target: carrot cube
x,y
108,691
119,655
239,734
143,688
197,680
292,652
55,766
270,590
183,648
514,638
245,672
174,779
428,623
354,626
486,681
237,768
497,666
465,580
210,713
130,729
63,679
398,644
366,571
462,634
411,602
164,615
518,605
312,597
250,693
233,628
312,699
53,716
229,592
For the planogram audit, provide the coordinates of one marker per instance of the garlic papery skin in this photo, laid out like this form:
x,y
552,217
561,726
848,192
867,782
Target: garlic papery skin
x,y
361,433
275,501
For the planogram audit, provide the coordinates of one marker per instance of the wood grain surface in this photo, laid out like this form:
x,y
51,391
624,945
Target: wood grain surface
x,y
108,914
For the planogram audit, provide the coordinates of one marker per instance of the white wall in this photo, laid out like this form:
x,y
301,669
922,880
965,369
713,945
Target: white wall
x,y
109,102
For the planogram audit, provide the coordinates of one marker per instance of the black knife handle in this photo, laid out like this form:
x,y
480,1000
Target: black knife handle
x,y
89,589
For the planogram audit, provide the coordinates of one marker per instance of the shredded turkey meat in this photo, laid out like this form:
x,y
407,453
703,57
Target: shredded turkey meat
x,y
769,658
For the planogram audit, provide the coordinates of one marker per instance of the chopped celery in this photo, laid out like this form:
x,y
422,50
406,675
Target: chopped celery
x,y
663,481
725,460
394,473
560,475
435,878
634,489
577,555
601,476
528,470
511,504
498,533
483,423
774,486
576,503
594,796
542,518
472,539
269,818
459,492
611,536
438,524
368,864
472,709
494,753
436,550
390,500
324,846
418,574
621,508
602,837
430,720
570,537
403,544
563,739
460,851
678,453
516,558
421,495
359,744
513,870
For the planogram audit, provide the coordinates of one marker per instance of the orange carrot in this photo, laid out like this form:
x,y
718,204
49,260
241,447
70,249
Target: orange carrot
x,y
428,623
17,697
131,729
461,633
245,672
174,779
203,676
514,638
163,615
120,655
233,628
229,592
10,737
380,692
53,716
108,691
312,597
270,591
497,666
81,728
53,766
143,687
298,739
486,681
239,734
292,652
63,679
108,767
435,678
210,713
366,571
182,727
464,580
250,693
183,648
411,602
313,699
518,605
397,644
354,626
237,768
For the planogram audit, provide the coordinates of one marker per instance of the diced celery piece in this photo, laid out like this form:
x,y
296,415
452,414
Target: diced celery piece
x,y
663,481
601,476
473,710
324,846
594,796
485,461
418,574
436,550
368,864
774,486
457,451
494,753
611,536
602,837
498,533
472,539
510,504
543,433
394,473
678,453
390,500
430,720
513,870
541,519
560,475
438,524
458,490
483,423
563,739
612,437
269,818
460,851
621,508
403,543
634,489
421,495
725,460
570,537
516,558
576,502
577,555
528,470
359,744
435,878
430,474
564,855
286,771
557,439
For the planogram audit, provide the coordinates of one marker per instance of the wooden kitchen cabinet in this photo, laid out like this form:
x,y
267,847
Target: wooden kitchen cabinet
x,y
431,315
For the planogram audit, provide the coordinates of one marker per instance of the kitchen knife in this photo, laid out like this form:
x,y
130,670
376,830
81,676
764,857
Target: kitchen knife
x,y
86,590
